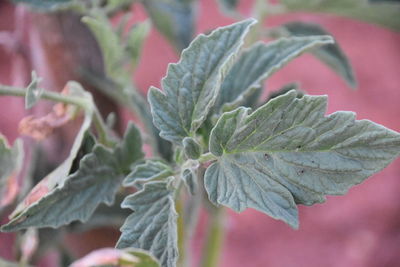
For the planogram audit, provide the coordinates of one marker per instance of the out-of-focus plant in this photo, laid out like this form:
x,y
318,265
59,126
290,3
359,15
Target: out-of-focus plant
x,y
214,141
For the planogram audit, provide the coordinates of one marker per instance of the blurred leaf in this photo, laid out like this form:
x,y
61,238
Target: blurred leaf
x,y
150,170
96,181
45,4
4,263
331,54
135,40
383,1
385,14
175,19
33,92
228,6
117,257
287,152
109,42
191,85
258,63
10,165
152,226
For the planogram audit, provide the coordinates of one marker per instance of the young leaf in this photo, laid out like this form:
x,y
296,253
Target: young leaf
x,y
117,257
150,170
109,43
96,181
287,152
33,92
259,62
174,19
191,148
191,85
135,40
330,54
152,226
189,178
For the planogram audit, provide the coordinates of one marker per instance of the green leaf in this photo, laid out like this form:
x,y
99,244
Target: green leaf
x,y
331,54
60,174
33,92
149,170
287,152
191,85
191,148
45,4
258,63
130,149
175,19
117,257
383,14
109,42
96,181
189,178
153,225
135,40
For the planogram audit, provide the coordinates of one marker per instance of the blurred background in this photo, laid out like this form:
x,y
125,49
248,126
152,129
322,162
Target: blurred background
x,y
360,229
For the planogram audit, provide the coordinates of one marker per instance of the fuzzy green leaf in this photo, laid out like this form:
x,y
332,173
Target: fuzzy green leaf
x,y
258,63
175,19
149,170
191,85
331,54
153,225
33,92
287,152
96,181
191,148
189,178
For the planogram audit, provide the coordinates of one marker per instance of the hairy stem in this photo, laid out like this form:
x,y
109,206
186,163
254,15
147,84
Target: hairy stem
x,y
214,239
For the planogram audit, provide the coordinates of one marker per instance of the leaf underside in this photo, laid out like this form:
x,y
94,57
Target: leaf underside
x,y
191,85
287,152
153,225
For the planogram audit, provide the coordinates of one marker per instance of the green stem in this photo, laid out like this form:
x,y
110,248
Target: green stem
x,y
214,240
181,234
52,96
70,100
207,157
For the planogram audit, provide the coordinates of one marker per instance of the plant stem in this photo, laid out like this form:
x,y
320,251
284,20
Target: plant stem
x,y
181,234
206,157
52,96
70,100
214,239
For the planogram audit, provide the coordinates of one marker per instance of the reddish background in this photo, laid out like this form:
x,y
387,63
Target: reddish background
x,y
359,229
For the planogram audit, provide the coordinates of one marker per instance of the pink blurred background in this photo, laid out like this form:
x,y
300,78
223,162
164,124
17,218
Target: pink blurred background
x,y
361,229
